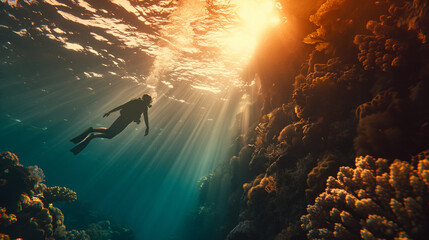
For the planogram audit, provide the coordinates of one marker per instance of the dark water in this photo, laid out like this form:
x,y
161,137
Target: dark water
x,y
65,63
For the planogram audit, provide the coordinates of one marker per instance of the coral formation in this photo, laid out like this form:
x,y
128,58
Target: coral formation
x,y
396,36
316,95
338,22
56,194
374,200
27,212
86,223
359,87
6,220
24,214
16,179
258,190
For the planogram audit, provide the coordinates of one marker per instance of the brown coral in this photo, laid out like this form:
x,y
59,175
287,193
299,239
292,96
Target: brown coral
x,y
21,195
316,96
16,179
374,200
341,18
396,36
260,188
57,194
271,124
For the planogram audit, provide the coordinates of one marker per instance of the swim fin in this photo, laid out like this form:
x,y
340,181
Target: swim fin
x,y
82,135
79,147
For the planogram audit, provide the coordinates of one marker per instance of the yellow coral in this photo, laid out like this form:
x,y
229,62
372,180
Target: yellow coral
x,y
6,219
9,159
375,200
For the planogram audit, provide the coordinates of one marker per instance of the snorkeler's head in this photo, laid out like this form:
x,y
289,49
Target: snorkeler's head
x,y
148,99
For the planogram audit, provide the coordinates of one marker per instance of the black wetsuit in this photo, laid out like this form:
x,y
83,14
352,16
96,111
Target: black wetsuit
x,y
130,112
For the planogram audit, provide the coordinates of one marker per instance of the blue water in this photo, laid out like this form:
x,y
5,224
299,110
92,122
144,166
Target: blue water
x,y
50,93
148,183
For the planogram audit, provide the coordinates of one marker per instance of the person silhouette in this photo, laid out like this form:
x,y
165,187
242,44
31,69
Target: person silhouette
x,y
129,112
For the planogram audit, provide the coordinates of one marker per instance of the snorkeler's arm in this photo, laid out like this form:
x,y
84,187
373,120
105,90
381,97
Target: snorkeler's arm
x,y
146,121
113,110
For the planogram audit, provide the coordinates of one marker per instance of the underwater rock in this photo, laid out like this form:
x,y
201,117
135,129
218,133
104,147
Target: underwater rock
x,y
239,165
276,64
327,165
243,231
374,200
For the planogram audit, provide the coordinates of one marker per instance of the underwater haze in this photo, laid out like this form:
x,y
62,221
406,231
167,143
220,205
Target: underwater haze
x,y
66,63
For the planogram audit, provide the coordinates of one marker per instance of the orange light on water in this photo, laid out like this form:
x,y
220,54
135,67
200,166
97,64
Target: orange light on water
x,y
254,17
210,42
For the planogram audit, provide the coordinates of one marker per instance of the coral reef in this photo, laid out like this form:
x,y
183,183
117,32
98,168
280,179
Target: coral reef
x,y
103,230
358,87
27,212
90,224
374,200
24,214
316,96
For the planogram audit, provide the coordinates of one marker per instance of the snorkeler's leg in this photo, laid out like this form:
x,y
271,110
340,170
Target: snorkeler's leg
x,y
82,145
117,127
82,135
99,130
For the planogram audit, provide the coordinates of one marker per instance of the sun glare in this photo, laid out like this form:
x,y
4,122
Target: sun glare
x,y
253,19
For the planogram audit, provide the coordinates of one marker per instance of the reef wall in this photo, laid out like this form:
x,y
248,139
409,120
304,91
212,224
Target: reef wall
x,y
342,79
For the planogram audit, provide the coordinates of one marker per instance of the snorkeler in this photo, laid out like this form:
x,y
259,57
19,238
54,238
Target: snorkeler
x,y
130,112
